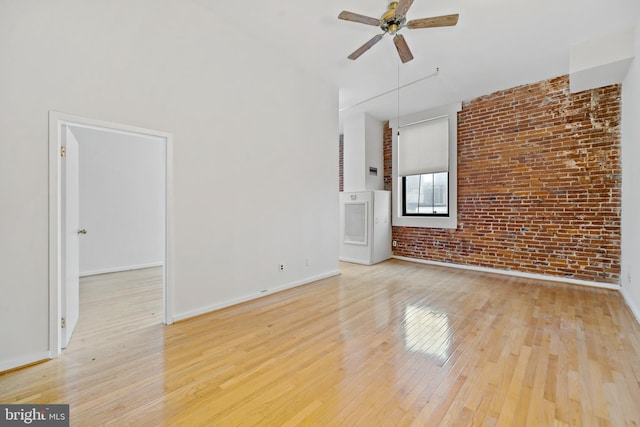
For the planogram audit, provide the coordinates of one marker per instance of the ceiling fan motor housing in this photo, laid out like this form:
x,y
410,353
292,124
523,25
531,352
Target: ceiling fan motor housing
x,y
389,22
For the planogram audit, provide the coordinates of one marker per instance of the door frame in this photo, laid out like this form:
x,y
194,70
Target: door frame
x,y
69,241
56,122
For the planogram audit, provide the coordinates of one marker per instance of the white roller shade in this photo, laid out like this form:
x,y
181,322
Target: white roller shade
x,y
424,147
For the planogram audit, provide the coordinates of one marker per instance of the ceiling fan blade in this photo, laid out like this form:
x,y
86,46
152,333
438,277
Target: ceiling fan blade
x,y
356,17
436,21
365,47
403,48
403,7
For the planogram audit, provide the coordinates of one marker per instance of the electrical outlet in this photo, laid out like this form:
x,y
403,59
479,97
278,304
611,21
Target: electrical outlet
x,y
307,262
281,267
394,243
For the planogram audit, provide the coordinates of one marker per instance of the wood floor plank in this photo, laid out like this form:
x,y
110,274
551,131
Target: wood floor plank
x,y
395,344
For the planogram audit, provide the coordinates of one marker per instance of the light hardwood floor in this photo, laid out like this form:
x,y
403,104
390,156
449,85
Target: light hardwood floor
x,y
393,344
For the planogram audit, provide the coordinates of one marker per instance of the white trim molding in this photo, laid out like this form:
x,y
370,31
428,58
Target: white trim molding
x,y
120,269
451,221
513,273
7,365
634,308
193,313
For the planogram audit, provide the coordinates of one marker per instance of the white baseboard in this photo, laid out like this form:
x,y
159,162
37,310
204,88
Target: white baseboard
x,y
513,273
119,269
6,365
355,261
632,305
229,303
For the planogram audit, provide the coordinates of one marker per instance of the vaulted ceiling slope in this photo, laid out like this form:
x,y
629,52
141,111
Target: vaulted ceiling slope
x,y
497,44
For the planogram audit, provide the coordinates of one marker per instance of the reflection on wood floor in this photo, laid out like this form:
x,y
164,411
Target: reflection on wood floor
x,y
393,344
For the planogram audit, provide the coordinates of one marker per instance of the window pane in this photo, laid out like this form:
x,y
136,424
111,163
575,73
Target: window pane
x,y
426,194
412,194
441,193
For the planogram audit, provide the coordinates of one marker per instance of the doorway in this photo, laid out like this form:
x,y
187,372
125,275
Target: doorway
x,y
64,235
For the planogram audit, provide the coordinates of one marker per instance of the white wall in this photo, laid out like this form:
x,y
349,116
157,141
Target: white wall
x,y
122,200
374,153
255,161
601,61
354,153
362,148
631,182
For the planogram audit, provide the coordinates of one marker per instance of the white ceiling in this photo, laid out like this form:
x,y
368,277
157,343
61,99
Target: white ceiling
x,y
497,44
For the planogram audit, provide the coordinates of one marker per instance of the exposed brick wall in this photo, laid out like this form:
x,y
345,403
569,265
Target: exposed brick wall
x,y
539,185
341,163
386,152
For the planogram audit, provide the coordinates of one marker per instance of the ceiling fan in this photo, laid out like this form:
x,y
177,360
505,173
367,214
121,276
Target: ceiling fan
x,y
392,21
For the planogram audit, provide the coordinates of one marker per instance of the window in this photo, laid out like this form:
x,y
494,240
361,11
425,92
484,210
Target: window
x,y
426,194
423,164
425,168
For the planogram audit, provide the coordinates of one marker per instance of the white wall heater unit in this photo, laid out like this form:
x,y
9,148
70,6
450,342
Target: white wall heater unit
x,y
365,226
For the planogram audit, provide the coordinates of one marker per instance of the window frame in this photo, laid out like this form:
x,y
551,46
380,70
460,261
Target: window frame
x,y
399,218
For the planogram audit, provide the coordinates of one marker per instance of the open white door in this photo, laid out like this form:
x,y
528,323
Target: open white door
x,y
64,189
70,295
